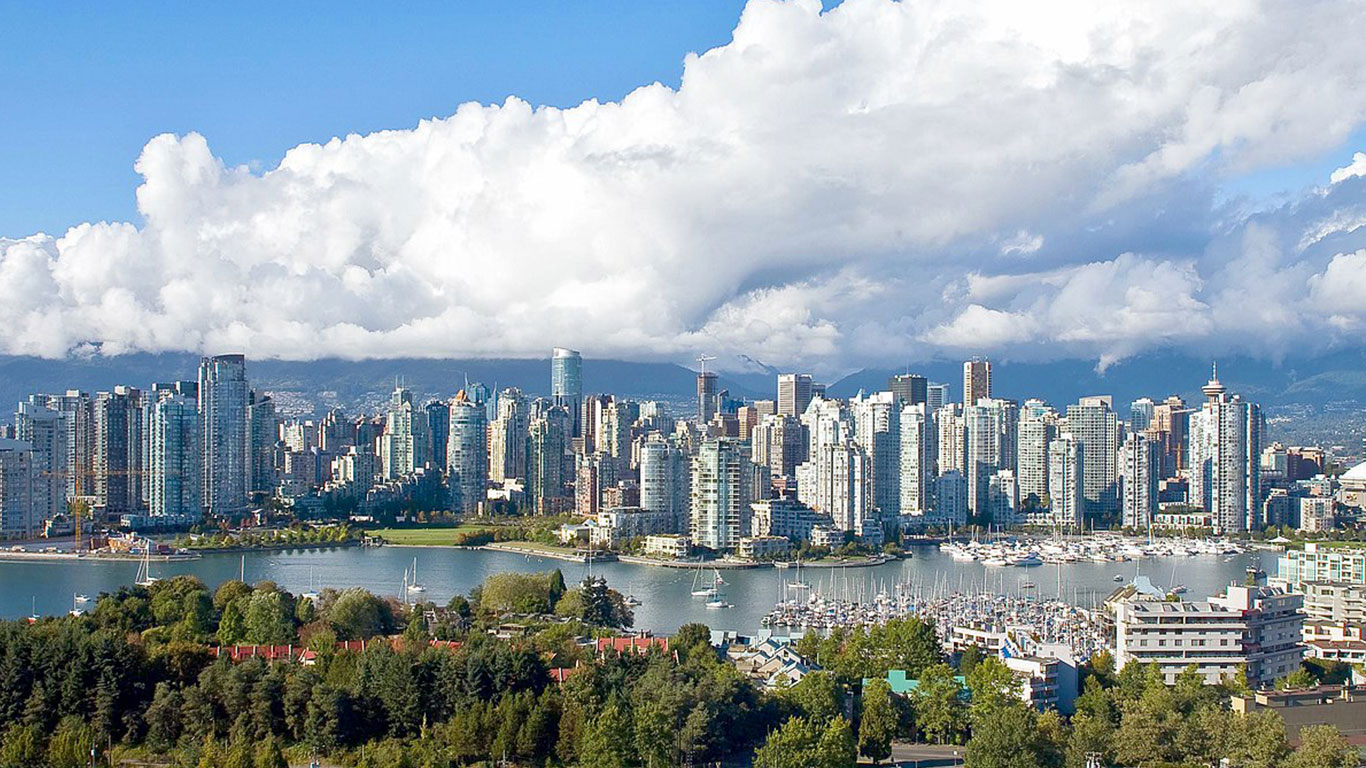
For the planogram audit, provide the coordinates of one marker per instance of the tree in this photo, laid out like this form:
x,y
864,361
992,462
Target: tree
x,y
1007,739
1257,740
692,641
607,742
1322,746
22,747
817,697
993,686
970,658
1299,679
939,705
71,744
357,614
163,718
878,721
800,743
269,619
232,627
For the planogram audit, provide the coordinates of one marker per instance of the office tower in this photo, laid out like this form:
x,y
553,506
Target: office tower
x,y
990,430
262,430
118,451
722,490
877,429
951,498
951,440
936,397
976,382
223,399
1225,449
917,454
665,480
1002,498
592,416
566,384
508,437
1066,466
1038,427
467,455
1141,414
18,517
766,407
548,441
909,388
593,473
794,393
706,396
404,435
438,414
1093,422
1168,430
817,391
779,443
174,474
1138,468
747,417
46,431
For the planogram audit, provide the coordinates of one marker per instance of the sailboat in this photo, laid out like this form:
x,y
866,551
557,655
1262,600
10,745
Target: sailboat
x,y
145,577
312,593
718,599
701,589
76,602
413,586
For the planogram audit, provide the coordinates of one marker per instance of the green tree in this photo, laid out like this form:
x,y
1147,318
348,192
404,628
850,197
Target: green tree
x,y
1322,746
357,614
22,747
938,704
269,619
1257,740
163,718
1299,679
877,721
1008,739
817,697
801,743
969,659
71,744
993,686
607,742
232,627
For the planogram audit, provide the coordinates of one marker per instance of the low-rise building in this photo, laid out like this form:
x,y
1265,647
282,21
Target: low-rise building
x,y
1335,601
673,545
763,547
786,517
1321,563
1336,705
1335,641
826,536
619,524
1252,627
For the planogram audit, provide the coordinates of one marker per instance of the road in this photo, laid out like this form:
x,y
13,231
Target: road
x,y
926,755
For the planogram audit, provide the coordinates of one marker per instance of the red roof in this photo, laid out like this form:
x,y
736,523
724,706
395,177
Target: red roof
x,y
632,644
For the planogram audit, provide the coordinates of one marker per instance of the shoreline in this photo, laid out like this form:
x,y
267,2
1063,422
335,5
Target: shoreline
x,y
68,557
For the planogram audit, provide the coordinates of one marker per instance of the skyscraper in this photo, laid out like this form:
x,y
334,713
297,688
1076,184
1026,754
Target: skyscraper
x,y
508,437
1168,430
17,512
706,396
548,442
118,451
665,480
877,429
1066,465
438,429
779,444
223,394
909,388
405,427
1038,427
951,440
1140,414
45,430
721,494
936,397
794,393
174,452
263,428
990,428
467,468
976,381
566,384
1225,453
1138,467
838,482
1093,422
916,471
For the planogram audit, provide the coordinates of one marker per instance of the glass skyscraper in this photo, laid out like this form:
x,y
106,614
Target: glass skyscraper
x,y
566,384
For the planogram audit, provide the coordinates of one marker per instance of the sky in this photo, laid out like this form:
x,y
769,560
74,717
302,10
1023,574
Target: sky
x,y
869,183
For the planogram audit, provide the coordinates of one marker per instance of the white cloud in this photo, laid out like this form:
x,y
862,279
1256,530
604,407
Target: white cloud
x,y
828,189
1356,168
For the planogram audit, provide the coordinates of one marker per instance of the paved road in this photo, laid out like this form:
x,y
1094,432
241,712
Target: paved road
x,y
926,755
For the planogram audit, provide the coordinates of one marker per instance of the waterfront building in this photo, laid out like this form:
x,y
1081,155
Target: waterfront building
x,y
665,479
1254,628
838,482
118,451
1335,601
548,442
877,429
1297,567
18,518
788,518
617,525
976,381
46,431
672,545
1092,421
508,437
909,388
566,385
722,491
1066,467
951,498
917,458
762,547
1001,498
467,454
223,400
1225,454
174,475
794,393
990,429
1038,427
1139,464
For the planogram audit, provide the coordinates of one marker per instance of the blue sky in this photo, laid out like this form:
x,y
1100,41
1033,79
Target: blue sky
x,y
85,89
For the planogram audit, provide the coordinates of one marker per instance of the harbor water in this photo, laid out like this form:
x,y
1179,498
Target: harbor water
x,y
49,587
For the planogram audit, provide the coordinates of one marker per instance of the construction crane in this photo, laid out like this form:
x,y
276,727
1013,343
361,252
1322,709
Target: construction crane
x,y
76,506
702,359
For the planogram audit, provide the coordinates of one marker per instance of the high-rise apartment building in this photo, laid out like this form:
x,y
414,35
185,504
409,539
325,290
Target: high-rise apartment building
x,y
263,426
566,384
405,435
665,480
909,388
18,518
1225,454
838,482
976,381
877,429
917,457
1066,468
1002,505
594,473
548,443
1168,430
223,398
467,456
1139,465
778,443
951,498
1093,422
794,393
508,437
722,490
46,431
1141,414
951,440
1038,427
118,451
990,429
438,413
174,474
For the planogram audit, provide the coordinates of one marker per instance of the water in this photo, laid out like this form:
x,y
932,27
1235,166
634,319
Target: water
x,y
49,586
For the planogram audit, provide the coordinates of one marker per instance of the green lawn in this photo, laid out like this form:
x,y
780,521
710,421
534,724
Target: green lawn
x,y
435,536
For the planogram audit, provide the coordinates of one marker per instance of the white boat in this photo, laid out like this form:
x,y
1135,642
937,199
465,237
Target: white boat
x,y
82,598
1028,560
998,562
414,586
632,601
145,577
1118,578
699,589
717,604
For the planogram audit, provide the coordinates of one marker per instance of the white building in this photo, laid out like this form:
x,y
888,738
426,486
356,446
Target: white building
x,y
672,545
665,479
1066,463
787,518
1002,498
1038,427
763,547
1139,465
174,452
722,491
620,524
1253,626
951,499
508,437
877,429
951,440
990,429
1316,514
838,483
1093,423
467,456
918,455
1225,459
404,442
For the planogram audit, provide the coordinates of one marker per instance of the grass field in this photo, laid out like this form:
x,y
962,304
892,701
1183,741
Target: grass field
x,y
442,536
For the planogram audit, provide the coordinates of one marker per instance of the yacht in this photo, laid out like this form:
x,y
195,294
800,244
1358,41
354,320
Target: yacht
x,y
145,577
413,586
701,588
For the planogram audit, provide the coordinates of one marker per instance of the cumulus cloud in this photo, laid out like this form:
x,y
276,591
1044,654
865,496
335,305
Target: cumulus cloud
x,y
880,181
